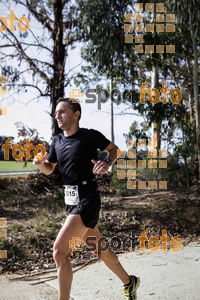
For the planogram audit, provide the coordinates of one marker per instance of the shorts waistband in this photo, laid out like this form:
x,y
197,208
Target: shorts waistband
x,y
87,181
83,182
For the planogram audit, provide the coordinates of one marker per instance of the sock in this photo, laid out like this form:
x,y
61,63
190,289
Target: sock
x,y
128,283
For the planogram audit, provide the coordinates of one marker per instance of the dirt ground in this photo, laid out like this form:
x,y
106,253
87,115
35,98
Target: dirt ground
x,y
34,208
13,289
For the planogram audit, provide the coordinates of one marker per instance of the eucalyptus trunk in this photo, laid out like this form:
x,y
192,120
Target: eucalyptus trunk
x,y
112,116
195,87
156,127
59,56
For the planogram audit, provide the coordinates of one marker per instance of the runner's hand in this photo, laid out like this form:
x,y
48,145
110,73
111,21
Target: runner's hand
x,y
100,167
39,162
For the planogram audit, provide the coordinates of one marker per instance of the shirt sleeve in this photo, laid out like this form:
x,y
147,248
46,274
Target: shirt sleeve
x,y
52,157
100,140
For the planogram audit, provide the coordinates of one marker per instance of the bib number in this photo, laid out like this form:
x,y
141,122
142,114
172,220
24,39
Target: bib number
x,y
71,194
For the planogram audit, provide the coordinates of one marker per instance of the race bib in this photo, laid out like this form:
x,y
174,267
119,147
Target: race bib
x,y
71,194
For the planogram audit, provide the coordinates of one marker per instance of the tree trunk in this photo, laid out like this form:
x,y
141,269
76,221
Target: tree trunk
x,y
191,100
156,127
197,106
112,118
57,81
154,83
191,105
185,159
112,115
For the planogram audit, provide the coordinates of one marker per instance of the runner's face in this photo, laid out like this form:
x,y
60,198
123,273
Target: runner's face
x,y
65,116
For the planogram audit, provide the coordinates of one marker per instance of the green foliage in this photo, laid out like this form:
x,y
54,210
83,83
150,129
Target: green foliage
x,y
120,185
101,27
32,240
2,244
188,13
114,181
52,203
136,132
25,132
12,251
16,228
128,221
45,226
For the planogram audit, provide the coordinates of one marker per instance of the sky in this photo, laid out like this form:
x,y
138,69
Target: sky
x,y
35,113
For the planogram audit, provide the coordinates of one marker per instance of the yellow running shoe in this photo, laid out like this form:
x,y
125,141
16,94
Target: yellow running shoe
x,y
130,290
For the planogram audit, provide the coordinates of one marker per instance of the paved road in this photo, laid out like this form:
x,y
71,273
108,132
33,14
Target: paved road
x,y
12,287
24,290
166,276
18,173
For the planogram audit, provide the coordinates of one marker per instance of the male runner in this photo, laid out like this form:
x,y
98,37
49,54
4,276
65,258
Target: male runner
x,y
75,151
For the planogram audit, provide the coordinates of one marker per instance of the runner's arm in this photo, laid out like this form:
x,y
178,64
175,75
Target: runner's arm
x,y
44,165
113,152
101,167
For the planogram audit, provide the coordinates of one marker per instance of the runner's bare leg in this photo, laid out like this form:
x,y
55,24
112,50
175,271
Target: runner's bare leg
x,y
109,257
73,227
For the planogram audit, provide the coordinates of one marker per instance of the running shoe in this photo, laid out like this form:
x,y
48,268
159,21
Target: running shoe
x,y
130,290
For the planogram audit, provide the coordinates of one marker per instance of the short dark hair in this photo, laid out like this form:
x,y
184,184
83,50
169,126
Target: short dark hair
x,y
75,106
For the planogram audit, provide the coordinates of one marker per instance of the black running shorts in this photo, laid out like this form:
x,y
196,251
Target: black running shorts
x,y
89,206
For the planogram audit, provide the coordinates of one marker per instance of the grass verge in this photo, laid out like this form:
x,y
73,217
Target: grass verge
x,y
13,166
